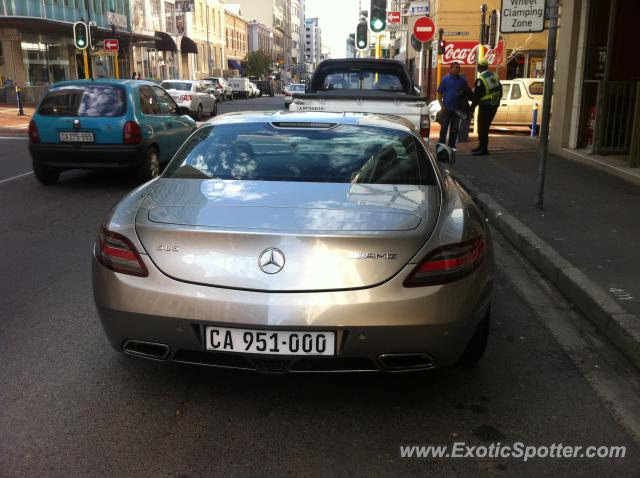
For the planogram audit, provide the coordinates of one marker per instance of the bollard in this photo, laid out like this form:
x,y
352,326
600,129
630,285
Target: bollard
x,y
19,98
534,123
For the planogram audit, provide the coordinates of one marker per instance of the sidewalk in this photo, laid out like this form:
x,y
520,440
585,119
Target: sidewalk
x,y
591,218
10,123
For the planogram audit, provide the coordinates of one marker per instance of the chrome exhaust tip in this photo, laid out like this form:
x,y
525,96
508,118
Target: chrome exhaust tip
x,y
144,349
397,362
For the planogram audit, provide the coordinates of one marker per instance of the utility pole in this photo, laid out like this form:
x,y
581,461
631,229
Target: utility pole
x,y
552,15
206,6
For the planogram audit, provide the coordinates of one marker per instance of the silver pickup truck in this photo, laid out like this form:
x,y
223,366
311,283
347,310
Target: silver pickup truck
x,y
365,86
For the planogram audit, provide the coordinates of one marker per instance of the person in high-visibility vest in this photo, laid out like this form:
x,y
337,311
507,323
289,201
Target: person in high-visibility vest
x,y
487,94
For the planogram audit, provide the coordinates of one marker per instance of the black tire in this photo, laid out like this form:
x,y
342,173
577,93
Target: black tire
x,y
198,116
214,111
231,96
478,343
150,167
46,175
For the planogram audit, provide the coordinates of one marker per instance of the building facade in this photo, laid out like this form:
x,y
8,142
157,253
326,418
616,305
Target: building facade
x,y
36,41
296,36
312,44
237,39
275,15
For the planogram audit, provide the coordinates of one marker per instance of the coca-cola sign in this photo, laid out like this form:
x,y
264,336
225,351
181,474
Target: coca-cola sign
x,y
466,52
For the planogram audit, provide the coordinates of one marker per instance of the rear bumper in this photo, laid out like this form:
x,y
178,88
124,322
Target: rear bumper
x,y
87,156
408,323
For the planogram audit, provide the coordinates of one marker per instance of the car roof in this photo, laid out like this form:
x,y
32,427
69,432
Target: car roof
x,y
101,81
368,119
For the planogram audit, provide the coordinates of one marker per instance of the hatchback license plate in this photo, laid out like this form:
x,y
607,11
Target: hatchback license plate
x,y
282,342
76,137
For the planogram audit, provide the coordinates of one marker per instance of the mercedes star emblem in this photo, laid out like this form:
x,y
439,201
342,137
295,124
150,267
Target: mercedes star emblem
x,y
271,260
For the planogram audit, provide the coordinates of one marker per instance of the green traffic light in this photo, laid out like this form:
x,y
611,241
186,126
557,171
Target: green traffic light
x,y
81,42
361,44
377,24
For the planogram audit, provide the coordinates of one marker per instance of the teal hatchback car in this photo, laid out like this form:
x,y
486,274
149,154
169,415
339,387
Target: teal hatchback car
x,y
87,124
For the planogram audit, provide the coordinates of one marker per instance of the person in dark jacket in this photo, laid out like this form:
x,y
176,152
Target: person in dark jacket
x,y
487,94
449,98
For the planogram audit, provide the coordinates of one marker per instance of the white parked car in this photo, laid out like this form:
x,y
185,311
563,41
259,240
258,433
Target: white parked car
x,y
224,85
290,90
192,94
255,91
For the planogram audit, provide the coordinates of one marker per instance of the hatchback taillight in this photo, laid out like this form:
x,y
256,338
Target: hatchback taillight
x,y
34,136
425,126
448,263
185,98
116,252
131,133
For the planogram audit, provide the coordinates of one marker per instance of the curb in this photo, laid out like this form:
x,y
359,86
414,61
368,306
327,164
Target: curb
x,y
618,325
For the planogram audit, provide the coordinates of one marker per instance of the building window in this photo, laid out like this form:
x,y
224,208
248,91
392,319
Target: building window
x,y
155,14
170,17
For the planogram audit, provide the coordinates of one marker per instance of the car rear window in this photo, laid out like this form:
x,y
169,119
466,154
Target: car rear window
x,y
176,85
93,100
536,88
297,152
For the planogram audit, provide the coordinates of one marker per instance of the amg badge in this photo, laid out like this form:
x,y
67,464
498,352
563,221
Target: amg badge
x,y
372,255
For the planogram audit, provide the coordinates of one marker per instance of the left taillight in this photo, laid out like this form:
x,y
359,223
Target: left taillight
x,y
34,136
425,126
449,263
131,133
116,252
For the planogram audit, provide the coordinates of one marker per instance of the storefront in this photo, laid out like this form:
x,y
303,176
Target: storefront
x,y
597,98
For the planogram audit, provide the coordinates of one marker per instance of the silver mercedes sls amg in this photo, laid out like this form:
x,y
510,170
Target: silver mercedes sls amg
x,y
298,242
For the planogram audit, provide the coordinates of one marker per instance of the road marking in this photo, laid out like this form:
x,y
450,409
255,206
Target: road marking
x,y
13,137
15,177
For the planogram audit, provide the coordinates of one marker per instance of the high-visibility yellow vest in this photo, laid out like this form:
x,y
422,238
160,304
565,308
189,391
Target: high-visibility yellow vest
x,y
492,88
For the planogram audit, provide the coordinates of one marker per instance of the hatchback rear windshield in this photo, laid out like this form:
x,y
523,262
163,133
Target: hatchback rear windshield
x,y
176,85
94,100
296,152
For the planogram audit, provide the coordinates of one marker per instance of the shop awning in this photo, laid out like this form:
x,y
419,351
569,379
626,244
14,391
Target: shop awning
x,y
164,42
187,45
235,65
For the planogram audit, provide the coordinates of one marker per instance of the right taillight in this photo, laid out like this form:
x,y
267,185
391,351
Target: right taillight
x,y
116,252
425,126
34,136
132,133
448,263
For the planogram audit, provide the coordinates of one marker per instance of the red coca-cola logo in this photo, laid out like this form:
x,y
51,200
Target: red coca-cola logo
x,y
466,52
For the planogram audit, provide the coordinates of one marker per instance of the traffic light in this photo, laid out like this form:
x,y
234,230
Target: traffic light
x,y
378,15
80,35
441,43
493,30
362,35
93,40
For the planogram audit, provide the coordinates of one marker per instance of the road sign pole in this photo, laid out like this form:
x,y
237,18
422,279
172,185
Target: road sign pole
x,y
420,74
117,68
546,99
86,64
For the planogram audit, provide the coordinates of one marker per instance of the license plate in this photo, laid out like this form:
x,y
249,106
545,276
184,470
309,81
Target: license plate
x,y
282,342
76,137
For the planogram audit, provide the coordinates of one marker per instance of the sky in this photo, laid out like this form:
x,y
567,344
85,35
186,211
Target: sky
x,y
338,18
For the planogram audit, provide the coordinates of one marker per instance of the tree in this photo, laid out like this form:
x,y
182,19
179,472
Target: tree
x,y
257,63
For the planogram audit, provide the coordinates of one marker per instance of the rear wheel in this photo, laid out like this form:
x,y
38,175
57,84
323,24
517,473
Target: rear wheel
x,y
231,96
150,167
286,105
199,113
214,111
478,343
45,174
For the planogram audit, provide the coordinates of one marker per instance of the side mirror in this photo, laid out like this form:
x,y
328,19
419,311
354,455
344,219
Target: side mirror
x,y
445,154
183,111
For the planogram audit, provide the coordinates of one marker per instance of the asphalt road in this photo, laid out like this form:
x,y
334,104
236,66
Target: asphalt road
x,y
71,406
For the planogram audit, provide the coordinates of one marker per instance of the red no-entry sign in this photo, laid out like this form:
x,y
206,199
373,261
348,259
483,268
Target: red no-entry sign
x,y
424,29
111,45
